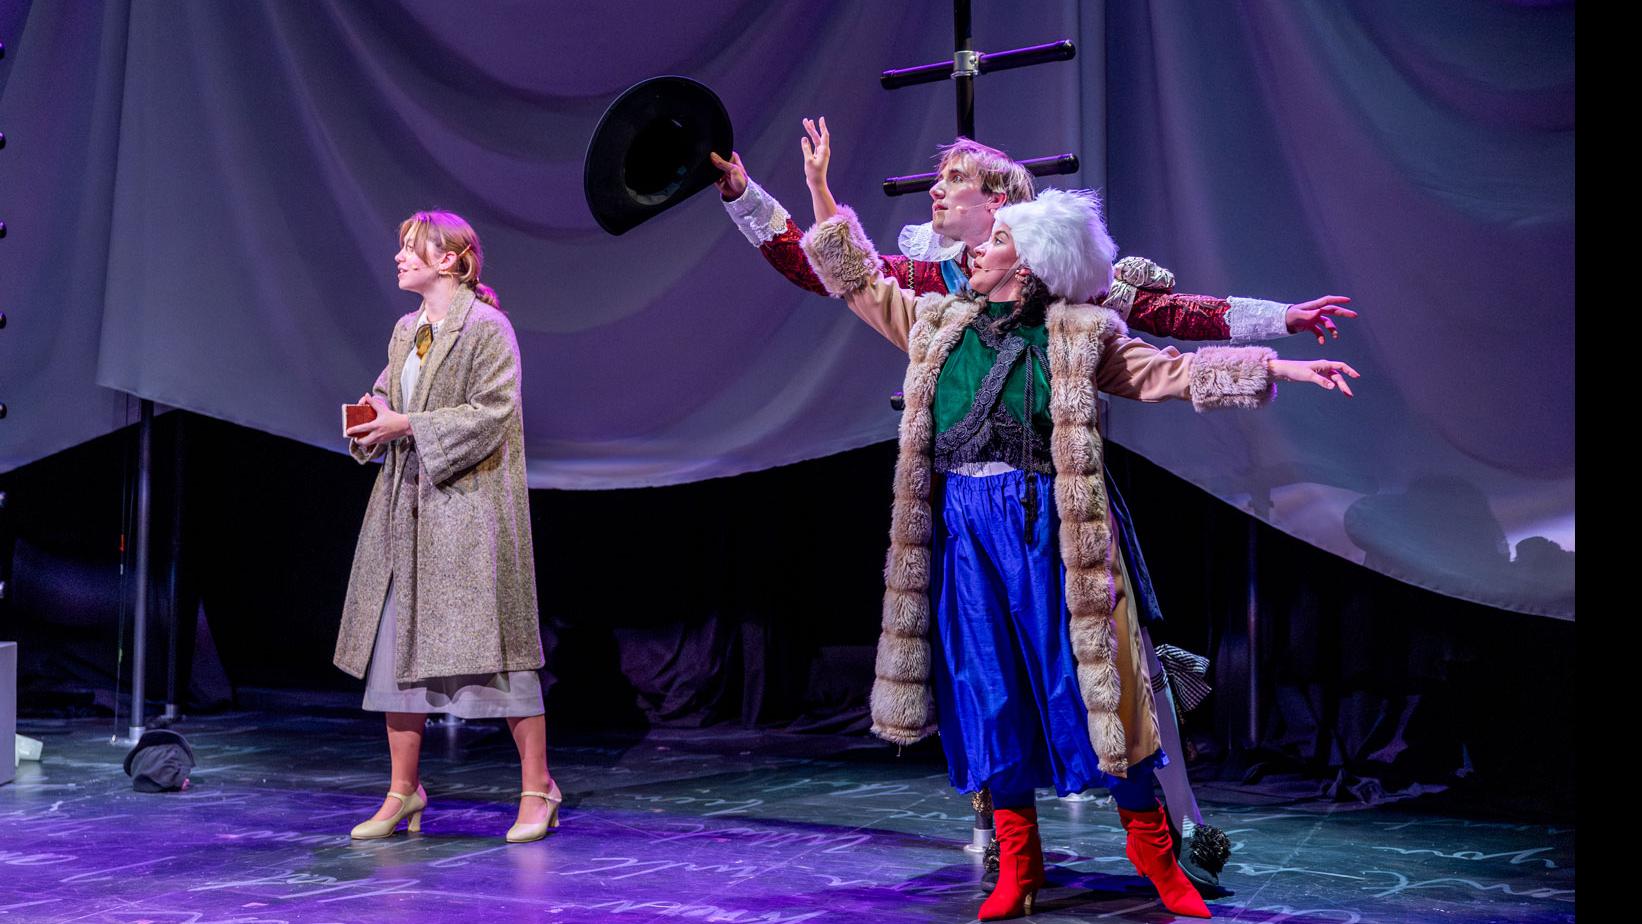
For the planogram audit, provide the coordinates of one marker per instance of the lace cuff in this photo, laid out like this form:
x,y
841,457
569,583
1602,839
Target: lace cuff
x,y
757,214
1254,319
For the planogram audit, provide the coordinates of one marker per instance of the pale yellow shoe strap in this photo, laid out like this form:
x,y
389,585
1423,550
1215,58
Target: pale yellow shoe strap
x,y
540,795
402,797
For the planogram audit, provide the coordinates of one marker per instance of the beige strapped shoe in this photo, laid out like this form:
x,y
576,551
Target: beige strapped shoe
x,y
523,834
411,805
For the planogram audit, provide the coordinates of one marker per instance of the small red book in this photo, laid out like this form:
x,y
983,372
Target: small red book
x,y
355,414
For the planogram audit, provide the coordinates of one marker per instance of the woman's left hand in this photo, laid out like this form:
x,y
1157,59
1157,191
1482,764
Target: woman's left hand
x,y
1324,373
385,428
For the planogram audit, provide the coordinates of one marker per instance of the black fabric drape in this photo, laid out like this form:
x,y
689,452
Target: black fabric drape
x,y
755,601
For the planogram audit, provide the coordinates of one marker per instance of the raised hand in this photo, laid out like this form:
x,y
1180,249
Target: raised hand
x,y
732,180
1317,314
817,147
1324,373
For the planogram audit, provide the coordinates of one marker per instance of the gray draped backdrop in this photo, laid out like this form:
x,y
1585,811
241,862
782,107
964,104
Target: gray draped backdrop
x,y
202,196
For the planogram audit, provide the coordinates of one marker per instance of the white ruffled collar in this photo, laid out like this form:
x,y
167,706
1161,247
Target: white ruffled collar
x,y
921,242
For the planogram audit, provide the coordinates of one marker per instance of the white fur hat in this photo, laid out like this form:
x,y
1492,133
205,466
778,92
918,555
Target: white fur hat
x,y
1061,237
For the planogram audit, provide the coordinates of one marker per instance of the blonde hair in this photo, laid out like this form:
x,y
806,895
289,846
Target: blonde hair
x,y
448,231
996,172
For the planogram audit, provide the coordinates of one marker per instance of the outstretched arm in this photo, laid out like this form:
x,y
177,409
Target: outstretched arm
x,y
767,225
1143,292
1213,377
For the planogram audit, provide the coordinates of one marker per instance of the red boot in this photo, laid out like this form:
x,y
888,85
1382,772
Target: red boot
x,y
1152,852
1020,864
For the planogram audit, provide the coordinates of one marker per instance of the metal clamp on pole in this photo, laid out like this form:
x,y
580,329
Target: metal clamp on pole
x,y
969,63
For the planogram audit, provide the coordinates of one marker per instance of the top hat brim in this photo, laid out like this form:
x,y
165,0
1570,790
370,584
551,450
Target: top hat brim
x,y
154,737
650,150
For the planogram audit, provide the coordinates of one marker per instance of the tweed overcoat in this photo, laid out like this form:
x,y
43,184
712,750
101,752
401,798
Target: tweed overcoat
x,y
449,515
1089,351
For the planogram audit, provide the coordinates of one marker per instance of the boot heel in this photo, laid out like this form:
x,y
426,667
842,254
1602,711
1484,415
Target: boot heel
x,y
1020,865
1151,849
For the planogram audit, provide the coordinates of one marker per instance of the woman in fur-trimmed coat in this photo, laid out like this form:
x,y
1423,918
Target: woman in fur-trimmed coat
x,y
1005,619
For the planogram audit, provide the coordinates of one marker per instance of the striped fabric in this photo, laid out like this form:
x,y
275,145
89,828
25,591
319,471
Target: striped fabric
x,y
1185,674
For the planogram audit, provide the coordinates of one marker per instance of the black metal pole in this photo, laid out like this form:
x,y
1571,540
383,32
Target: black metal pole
x,y
964,67
139,628
6,547
173,600
1252,617
1062,50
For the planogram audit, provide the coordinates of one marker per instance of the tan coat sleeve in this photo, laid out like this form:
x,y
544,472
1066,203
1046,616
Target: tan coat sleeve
x,y
886,307
848,266
451,440
1213,377
1132,368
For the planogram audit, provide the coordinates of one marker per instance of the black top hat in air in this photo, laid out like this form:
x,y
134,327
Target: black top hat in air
x,y
650,150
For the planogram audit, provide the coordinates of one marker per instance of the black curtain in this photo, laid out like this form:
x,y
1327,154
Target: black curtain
x,y
755,600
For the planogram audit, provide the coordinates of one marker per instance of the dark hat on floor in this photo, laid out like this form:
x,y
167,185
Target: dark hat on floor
x,y
159,762
1202,859
650,150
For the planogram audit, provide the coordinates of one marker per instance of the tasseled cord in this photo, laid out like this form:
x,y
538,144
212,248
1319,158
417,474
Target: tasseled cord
x,y
1026,449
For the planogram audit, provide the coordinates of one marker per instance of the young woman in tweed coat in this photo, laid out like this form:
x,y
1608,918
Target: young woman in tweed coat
x,y
440,614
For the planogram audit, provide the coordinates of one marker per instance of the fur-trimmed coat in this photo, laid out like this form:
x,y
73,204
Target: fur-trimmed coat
x,y
1089,351
449,516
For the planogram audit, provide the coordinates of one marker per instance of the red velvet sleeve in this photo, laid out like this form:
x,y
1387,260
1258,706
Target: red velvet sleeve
x,y
784,253
1183,317
921,276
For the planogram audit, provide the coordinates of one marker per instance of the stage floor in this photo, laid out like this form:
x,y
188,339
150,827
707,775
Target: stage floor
x,y
705,825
